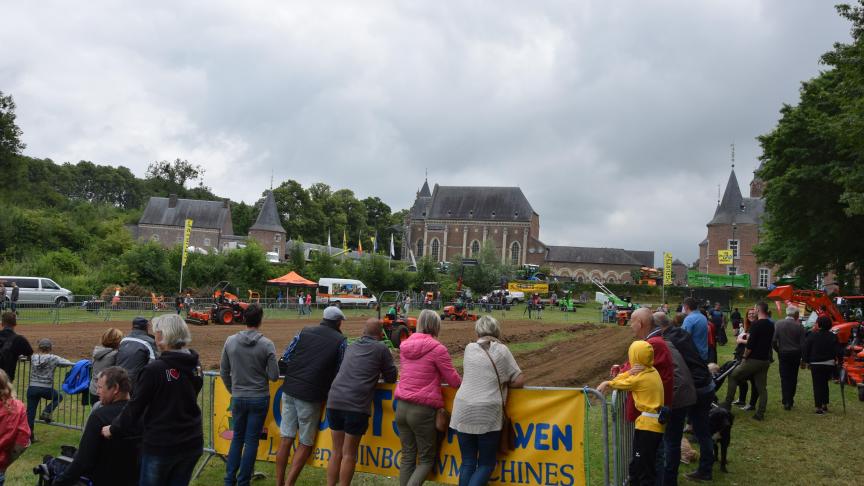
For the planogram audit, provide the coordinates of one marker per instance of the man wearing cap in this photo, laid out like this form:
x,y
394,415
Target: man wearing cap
x,y
313,359
137,349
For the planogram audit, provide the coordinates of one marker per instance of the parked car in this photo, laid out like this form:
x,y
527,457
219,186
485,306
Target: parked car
x,y
38,290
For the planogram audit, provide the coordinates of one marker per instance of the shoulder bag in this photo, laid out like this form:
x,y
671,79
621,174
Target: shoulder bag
x,y
507,440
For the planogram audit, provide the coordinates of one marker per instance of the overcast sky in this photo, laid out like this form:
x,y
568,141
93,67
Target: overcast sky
x,y
615,118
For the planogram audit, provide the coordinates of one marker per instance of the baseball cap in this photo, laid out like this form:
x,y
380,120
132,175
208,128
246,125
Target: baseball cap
x,y
139,323
45,343
333,313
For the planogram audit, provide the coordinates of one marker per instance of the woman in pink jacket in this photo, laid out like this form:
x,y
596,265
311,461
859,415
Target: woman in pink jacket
x,y
14,431
424,364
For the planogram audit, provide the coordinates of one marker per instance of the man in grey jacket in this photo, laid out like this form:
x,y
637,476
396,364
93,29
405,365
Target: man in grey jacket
x,y
788,342
136,350
248,365
351,395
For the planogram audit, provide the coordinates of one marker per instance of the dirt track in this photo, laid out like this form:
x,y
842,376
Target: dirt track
x,y
581,360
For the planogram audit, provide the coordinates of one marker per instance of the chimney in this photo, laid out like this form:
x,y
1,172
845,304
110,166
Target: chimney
x,y
172,201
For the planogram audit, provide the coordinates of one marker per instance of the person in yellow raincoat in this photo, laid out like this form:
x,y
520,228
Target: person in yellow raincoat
x,y
644,383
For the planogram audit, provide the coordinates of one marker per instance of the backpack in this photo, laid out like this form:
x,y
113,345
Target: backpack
x,y
78,378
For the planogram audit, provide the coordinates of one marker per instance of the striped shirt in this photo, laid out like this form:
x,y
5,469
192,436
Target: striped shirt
x,y
477,406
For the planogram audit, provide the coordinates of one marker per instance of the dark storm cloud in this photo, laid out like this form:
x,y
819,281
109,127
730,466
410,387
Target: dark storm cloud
x,y
615,118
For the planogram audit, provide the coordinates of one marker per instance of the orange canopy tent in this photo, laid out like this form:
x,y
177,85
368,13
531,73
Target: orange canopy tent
x,y
292,279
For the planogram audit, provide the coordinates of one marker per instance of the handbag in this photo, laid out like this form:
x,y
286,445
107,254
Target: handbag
x,y
442,420
507,439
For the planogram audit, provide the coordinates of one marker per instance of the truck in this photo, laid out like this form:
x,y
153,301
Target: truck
x,y
345,291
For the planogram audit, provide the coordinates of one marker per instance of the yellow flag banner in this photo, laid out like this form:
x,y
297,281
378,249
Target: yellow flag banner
x,y
549,425
667,268
187,232
724,257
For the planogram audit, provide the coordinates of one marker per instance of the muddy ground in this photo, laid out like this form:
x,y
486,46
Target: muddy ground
x,y
583,359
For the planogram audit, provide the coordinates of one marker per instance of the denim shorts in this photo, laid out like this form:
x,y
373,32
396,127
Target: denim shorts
x,y
353,423
300,415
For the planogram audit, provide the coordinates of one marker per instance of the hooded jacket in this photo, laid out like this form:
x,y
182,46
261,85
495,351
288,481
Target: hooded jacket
x,y
645,387
249,364
102,358
164,402
42,368
15,431
425,364
698,367
136,350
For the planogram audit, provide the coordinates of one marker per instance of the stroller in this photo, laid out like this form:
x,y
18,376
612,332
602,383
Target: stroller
x,y
52,467
722,373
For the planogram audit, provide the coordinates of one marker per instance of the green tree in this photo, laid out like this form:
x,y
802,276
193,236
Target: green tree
x,y
177,172
10,133
242,217
813,166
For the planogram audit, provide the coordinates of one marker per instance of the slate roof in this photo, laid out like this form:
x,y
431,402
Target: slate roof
x,y
609,256
268,217
204,214
479,203
734,208
424,191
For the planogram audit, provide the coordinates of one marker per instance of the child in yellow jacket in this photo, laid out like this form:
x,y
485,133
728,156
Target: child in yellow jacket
x,y
647,390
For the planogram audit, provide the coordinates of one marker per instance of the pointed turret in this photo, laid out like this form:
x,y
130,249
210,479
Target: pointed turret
x,y
268,218
424,191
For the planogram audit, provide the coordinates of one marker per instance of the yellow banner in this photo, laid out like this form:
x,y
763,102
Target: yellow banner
x,y
549,425
187,232
724,257
528,287
667,269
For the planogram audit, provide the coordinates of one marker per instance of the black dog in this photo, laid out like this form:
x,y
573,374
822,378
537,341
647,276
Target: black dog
x,y
720,424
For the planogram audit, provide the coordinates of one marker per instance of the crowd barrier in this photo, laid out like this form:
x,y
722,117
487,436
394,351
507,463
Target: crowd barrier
x,y
553,432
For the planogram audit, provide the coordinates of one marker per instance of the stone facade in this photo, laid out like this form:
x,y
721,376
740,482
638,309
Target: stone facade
x,y
268,230
164,220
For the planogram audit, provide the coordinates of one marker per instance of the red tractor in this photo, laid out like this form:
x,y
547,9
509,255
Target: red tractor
x,y
850,333
226,308
458,311
397,327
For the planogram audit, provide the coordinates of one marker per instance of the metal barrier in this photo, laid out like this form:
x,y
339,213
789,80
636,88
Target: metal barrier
x,y
70,413
622,438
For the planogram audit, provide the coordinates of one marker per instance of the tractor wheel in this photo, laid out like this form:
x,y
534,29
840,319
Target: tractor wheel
x,y
224,316
399,334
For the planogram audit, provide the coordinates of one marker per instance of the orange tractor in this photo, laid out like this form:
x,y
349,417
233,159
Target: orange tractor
x,y
226,308
458,311
850,333
397,327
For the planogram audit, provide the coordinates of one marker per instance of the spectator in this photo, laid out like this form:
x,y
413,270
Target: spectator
x,y
248,365
105,463
756,361
12,345
646,387
178,303
490,370
788,341
749,384
719,321
425,364
350,398
736,320
683,397
820,352
300,301
13,298
14,431
188,302
406,304
313,358
136,350
309,303
42,366
104,356
697,413
697,325
164,401
2,295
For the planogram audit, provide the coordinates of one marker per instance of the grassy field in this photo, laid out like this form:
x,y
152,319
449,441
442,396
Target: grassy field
x,y
789,447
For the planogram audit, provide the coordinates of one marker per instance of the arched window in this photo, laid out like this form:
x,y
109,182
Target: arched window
x,y
475,248
515,253
419,248
580,279
434,251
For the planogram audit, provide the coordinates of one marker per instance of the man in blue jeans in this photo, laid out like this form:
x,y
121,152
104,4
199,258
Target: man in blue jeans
x,y
248,365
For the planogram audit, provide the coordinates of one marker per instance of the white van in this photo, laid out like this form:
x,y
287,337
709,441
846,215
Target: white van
x,y
345,291
37,290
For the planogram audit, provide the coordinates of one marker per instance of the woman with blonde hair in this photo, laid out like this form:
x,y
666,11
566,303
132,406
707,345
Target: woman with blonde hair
x,y
14,431
425,363
489,370
104,356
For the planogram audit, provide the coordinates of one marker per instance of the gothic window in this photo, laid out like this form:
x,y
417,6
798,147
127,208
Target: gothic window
x,y
420,248
475,248
434,250
515,253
